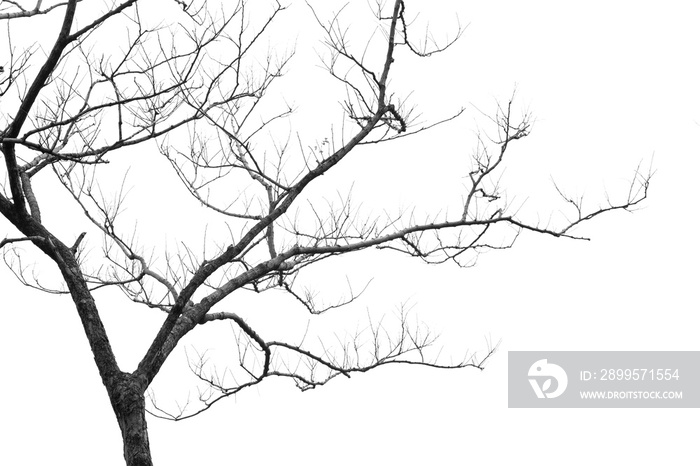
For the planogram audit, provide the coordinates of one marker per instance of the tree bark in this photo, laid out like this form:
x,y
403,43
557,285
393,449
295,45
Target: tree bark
x,y
129,404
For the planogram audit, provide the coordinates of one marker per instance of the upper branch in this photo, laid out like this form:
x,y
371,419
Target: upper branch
x,y
24,13
28,100
158,350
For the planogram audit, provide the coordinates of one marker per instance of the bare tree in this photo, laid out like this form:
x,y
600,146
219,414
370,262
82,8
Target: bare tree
x,y
200,93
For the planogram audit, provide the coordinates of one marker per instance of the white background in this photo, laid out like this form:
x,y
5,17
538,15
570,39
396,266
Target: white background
x,y
610,84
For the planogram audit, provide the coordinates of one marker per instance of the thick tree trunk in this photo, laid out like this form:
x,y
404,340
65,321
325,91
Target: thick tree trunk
x,y
129,405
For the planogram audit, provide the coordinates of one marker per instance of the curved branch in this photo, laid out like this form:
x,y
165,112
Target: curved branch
x,y
248,330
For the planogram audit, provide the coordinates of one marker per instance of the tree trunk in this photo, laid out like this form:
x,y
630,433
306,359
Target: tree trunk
x,y
129,405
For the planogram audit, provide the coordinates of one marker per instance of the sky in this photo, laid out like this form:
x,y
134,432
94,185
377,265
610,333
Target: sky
x,y
610,85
